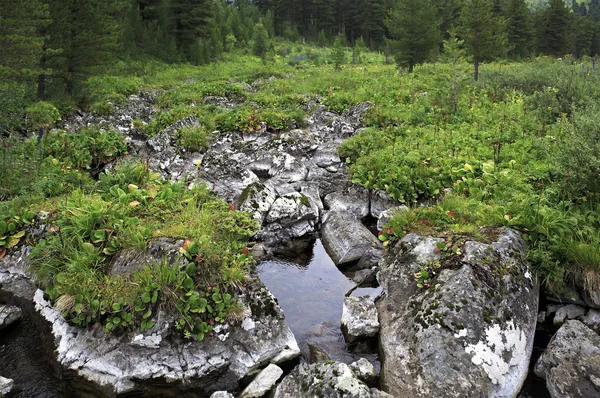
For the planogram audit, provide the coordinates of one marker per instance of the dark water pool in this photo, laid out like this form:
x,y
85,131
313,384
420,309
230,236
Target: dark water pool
x,y
311,291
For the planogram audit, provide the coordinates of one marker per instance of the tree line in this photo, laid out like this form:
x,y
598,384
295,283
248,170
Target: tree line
x,y
55,45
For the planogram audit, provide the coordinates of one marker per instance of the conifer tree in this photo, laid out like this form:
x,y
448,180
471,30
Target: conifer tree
x,y
261,41
483,33
413,26
519,28
555,38
339,52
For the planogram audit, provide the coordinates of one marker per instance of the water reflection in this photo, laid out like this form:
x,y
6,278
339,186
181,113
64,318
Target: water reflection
x,y
311,297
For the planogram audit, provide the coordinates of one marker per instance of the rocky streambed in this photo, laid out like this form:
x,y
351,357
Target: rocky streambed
x,y
471,334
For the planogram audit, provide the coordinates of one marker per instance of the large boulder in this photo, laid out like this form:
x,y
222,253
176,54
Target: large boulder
x,y
571,363
354,200
346,239
263,382
470,333
120,364
257,199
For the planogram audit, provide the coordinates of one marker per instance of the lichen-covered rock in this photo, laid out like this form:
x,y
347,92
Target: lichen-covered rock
x,y
221,394
263,382
566,312
468,335
345,238
592,320
291,209
571,363
119,364
359,318
566,296
9,314
6,386
387,215
327,380
592,299
14,278
257,199
380,203
365,371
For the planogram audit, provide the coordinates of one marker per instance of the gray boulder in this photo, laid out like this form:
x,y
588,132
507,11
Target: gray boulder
x,y
592,320
221,394
571,363
257,199
355,200
291,209
6,386
387,215
380,203
9,314
470,334
359,318
566,296
263,382
592,299
14,278
120,364
345,238
327,380
365,371
570,311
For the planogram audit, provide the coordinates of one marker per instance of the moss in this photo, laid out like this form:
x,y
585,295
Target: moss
x,y
304,200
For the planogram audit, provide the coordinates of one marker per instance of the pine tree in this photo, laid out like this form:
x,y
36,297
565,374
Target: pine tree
x,y
413,26
193,22
519,28
339,52
261,41
555,38
453,54
483,33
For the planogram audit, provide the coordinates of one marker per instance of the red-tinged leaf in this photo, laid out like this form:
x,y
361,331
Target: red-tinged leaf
x,y
231,206
187,244
380,233
2,252
245,251
436,250
452,213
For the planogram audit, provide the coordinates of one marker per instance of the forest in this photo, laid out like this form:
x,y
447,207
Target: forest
x,y
485,108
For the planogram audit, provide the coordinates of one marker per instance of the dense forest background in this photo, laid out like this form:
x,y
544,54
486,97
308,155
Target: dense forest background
x,y
51,47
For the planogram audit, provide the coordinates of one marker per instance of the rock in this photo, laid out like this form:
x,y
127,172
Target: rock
x,y
257,199
14,278
355,200
541,317
291,209
117,365
570,311
263,382
366,277
322,380
370,259
571,363
468,335
345,238
387,215
375,393
365,371
592,320
316,354
359,318
221,394
6,386
9,314
381,202
567,296
326,158
591,299
552,308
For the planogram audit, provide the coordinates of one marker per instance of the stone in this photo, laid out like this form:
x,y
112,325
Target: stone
x,y
468,335
541,317
291,209
571,363
366,277
14,278
365,371
375,393
570,311
370,259
322,380
257,199
117,365
387,215
381,203
354,200
345,238
359,318
316,354
9,314
592,320
591,299
6,386
263,382
326,158
221,394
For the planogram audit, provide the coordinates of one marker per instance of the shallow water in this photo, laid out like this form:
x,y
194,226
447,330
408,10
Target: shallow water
x,y
312,297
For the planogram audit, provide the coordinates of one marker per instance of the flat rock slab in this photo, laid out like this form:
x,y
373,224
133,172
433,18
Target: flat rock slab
x,y
359,318
9,314
470,334
571,311
345,238
263,382
571,363
6,386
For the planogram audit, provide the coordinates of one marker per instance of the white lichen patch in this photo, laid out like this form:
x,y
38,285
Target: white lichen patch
x,y
461,333
491,354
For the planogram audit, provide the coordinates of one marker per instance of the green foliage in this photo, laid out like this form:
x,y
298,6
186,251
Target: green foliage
x,y
338,53
194,139
42,114
261,41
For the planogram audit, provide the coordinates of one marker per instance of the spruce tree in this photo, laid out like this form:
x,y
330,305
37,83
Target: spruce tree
x,y
339,52
483,33
413,26
261,41
193,25
555,38
519,28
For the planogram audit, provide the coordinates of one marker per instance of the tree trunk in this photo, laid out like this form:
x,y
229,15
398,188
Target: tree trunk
x,y
41,83
476,73
410,68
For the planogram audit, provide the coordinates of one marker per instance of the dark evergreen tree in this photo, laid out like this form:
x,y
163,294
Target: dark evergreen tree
x,y
193,25
261,41
519,28
413,27
483,33
555,38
